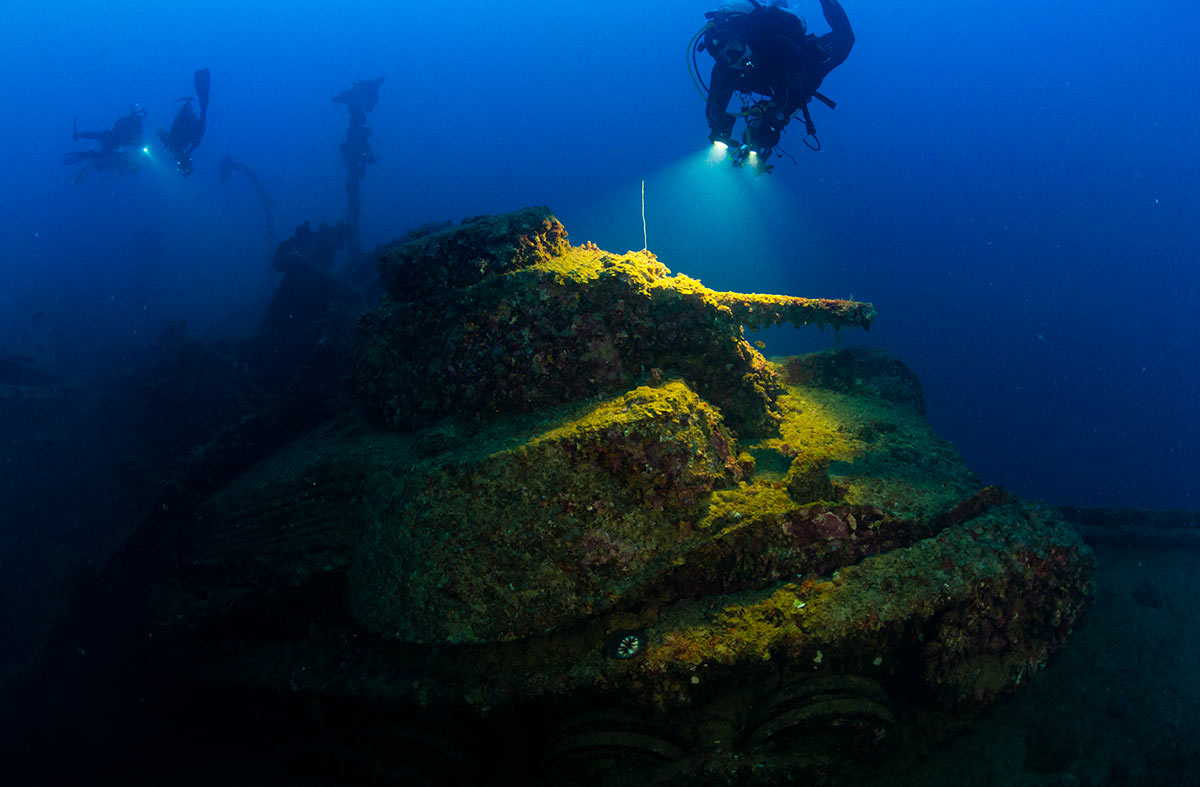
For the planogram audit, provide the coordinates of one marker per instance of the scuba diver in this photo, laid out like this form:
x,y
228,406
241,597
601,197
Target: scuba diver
x,y
126,132
359,99
764,50
188,129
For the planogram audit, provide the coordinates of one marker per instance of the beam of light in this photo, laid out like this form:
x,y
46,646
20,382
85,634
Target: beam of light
x,y
156,167
730,227
717,153
708,220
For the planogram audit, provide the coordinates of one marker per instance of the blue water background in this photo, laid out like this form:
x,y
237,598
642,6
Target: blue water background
x,y
1014,186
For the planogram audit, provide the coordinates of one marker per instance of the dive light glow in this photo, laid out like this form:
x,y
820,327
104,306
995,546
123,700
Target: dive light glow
x,y
717,153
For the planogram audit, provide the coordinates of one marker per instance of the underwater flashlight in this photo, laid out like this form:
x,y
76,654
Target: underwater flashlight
x,y
146,151
717,152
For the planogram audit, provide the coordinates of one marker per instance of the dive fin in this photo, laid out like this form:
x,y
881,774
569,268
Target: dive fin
x,y
201,81
83,173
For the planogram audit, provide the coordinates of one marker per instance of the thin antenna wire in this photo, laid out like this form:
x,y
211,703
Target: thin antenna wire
x,y
645,245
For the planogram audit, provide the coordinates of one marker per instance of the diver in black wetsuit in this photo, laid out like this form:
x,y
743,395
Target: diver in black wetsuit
x,y
359,99
125,133
764,49
188,128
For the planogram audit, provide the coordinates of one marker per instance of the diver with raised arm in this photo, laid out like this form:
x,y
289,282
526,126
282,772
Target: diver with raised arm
x,y
125,132
763,49
112,154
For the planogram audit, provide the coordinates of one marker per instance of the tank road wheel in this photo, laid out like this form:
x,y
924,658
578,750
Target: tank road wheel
x,y
590,746
824,724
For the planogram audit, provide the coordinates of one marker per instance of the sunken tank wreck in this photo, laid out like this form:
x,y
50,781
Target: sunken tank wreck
x,y
573,528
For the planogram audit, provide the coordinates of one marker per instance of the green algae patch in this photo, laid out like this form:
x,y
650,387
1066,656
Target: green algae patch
x,y
569,484
757,311
502,316
807,480
481,247
865,475
820,423
983,603
878,452
730,508
542,532
584,264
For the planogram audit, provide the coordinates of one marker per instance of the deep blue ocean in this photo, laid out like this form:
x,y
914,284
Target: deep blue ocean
x,y
1015,187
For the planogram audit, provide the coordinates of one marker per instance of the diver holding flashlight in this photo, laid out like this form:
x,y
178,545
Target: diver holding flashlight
x,y
764,50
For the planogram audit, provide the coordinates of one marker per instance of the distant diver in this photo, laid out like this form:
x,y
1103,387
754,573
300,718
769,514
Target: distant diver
x,y
764,51
360,98
188,128
125,133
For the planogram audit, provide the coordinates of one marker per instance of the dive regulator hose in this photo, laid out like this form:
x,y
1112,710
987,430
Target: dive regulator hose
x,y
693,66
